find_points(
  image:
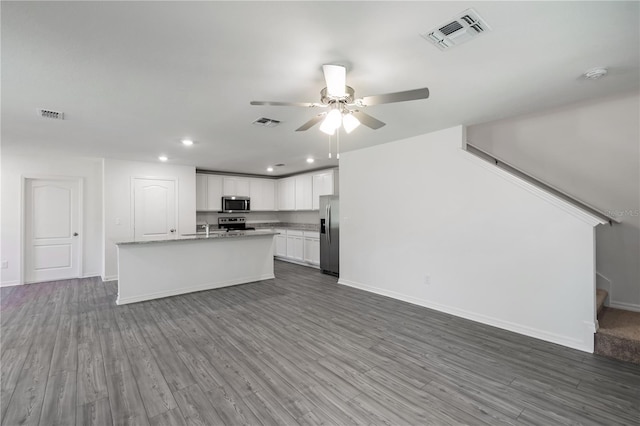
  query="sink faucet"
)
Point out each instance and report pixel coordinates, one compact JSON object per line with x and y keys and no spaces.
{"x":206,"y":228}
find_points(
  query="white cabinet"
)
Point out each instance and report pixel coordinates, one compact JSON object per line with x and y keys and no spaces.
{"x":295,"y":193}
{"x":302,"y":247}
{"x":287,"y":194}
{"x":304,"y":192}
{"x":281,"y":243}
{"x":323,"y":184}
{"x":201,"y":192}
{"x":312,"y":247}
{"x":263,"y":194}
{"x":295,"y":245}
{"x":210,"y":189}
{"x":208,"y":192}
{"x":237,"y":186}
{"x":214,"y":193}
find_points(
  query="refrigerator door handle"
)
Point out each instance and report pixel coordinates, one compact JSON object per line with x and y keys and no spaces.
{"x":329,"y":227}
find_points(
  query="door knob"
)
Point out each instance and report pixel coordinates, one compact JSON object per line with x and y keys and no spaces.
{"x":75,"y":234}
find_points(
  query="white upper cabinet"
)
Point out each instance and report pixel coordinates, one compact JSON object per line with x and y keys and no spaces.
{"x":287,"y":194}
{"x":299,"y":192}
{"x":201,"y":192}
{"x":263,"y":194}
{"x":237,"y":186}
{"x":304,"y":192}
{"x":208,"y":192}
{"x":322,"y":185}
{"x":214,"y":192}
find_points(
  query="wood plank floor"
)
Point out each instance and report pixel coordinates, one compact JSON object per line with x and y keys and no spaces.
{"x":299,"y":349}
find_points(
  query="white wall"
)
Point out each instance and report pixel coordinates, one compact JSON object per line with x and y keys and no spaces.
{"x":590,"y":150}
{"x":117,"y":202}
{"x":14,"y":169}
{"x":495,"y":249}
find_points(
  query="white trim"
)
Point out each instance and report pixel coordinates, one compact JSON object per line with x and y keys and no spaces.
{"x":585,"y":345}
{"x":10,"y":283}
{"x":297,"y":262}
{"x":109,"y":278}
{"x":208,"y":286}
{"x":91,"y":275}
{"x":624,"y":306}
{"x":540,"y":193}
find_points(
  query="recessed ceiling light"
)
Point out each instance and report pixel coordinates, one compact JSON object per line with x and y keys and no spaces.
{"x":310,"y":160}
{"x":187,"y":142}
{"x":163,"y":158}
{"x":269,"y":169}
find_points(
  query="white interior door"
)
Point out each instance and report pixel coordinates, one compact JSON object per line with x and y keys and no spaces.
{"x":155,"y":207}
{"x":52,"y":221}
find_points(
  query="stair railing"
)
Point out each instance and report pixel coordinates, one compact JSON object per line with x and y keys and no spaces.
{"x":541,"y":184}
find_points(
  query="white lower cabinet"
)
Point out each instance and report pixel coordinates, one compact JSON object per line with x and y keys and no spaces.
{"x":295,"y":245}
{"x":312,"y":247}
{"x":301,"y":247}
{"x":281,"y":243}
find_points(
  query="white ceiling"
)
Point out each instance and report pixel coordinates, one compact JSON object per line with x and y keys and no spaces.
{"x":133,"y":78}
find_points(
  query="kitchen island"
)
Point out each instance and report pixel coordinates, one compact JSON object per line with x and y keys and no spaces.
{"x":152,"y":269}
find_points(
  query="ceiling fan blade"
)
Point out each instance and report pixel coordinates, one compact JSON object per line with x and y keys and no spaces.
{"x":336,"y":79}
{"x":409,"y":95}
{"x":368,"y":120}
{"x":298,"y":104}
{"x":309,"y":124}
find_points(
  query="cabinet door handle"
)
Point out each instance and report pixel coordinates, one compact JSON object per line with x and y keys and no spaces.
{"x":75,"y":234}
{"x":172,"y":230}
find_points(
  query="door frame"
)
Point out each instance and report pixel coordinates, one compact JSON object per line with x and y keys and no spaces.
{"x":132,"y":201}
{"x":23,"y":225}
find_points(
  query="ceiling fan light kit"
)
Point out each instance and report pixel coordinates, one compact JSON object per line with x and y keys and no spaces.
{"x":340,"y":98}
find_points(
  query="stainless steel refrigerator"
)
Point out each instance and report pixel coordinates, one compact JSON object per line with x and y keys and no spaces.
{"x":330,"y":234}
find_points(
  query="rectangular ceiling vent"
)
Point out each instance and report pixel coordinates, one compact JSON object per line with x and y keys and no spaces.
{"x":266,"y":122}
{"x":54,"y":115}
{"x":462,"y":28}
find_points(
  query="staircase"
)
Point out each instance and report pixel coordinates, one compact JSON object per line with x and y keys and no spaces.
{"x":618,"y":334}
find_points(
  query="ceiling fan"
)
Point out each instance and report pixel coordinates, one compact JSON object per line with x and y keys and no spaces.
{"x":344,"y":109}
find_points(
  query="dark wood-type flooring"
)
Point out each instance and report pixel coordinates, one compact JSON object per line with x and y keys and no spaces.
{"x":299,"y":349}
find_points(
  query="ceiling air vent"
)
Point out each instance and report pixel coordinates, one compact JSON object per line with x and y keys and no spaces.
{"x":462,"y":28}
{"x":266,"y":122}
{"x":47,"y":113}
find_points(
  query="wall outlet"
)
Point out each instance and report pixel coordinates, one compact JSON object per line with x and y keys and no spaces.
{"x":5,"y":264}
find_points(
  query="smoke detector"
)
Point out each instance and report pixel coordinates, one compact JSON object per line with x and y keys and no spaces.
{"x":466,"y":26}
{"x":48,"y":113}
{"x":266,"y":122}
{"x":595,"y":73}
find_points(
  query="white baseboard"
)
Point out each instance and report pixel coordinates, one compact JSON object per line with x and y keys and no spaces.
{"x":109,"y":278}
{"x":286,"y":259}
{"x":585,"y":345}
{"x":9,"y":283}
{"x":90,"y":275}
{"x":624,"y":306}
{"x":175,"y":292}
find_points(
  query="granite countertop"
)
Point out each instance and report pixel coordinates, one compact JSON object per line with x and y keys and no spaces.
{"x":215,"y":235}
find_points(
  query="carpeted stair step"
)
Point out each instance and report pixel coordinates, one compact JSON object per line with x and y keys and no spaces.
{"x":601,"y":295}
{"x":618,"y":336}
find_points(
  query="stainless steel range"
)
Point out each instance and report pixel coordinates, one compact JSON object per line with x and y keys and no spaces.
{"x":234,"y":224}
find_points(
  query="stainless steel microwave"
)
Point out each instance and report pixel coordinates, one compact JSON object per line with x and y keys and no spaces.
{"x":234,"y":204}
